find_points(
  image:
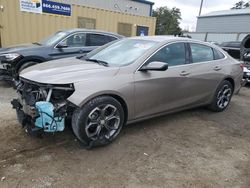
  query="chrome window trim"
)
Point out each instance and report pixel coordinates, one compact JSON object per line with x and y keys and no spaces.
{"x":83,"y":32}
{"x":157,"y":51}
{"x":212,"y":50}
{"x":225,"y":56}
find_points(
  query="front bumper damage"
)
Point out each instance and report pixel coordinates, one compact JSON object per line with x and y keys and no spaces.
{"x":42,"y":107}
{"x":5,"y":72}
{"x":8,"y":70}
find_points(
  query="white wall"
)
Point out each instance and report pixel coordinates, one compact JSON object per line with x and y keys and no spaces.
{"x":234,"y":23}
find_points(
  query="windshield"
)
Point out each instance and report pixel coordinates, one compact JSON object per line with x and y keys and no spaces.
{"x":53,"y":38}
{"x":123,"y":52}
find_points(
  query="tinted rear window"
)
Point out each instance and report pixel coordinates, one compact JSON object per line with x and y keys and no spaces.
{"x":201,"y":53}
{"x":98,"y":39}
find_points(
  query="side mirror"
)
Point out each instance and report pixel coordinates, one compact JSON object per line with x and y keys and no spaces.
{"x":155,"y":66}
{"x":60,"y":46}
{"x":247,"y":56}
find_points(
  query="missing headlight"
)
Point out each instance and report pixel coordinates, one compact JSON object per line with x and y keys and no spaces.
{"x":48,"y":101}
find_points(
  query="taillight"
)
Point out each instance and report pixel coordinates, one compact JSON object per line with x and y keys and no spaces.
{"x":242,"y":66}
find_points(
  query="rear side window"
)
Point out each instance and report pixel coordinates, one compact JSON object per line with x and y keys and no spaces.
{"x":173,"y":54}
{"x":98,"y":39}
{"x":218,"y":54}
{"x":201,"y":53}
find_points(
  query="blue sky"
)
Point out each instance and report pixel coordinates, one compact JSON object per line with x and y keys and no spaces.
{"x":190,"y":9}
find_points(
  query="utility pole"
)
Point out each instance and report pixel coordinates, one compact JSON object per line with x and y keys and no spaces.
{"x":201,"y":7}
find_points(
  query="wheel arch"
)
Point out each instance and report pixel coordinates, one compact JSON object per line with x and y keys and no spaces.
{"x":37,"y":59}
{"x":116,"y":96}
{"x":231,"y":80}
{"x":123,"y":103}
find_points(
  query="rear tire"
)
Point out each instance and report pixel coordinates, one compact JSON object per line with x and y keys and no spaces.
{"x":98,"y":122}
{"x":222,"y":97}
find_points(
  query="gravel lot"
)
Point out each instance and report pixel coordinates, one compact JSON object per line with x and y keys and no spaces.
{"x":195,"y":148}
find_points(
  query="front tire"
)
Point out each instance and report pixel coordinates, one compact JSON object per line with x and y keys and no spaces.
{"x":99,"y":121}
{"x":222,"y":97}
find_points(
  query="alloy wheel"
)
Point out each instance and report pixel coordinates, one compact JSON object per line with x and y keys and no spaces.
{"x":224,"y":96}
{"x":103,"y":122}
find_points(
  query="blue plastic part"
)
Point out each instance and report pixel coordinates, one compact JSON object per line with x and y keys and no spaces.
{"x":46,"y":119}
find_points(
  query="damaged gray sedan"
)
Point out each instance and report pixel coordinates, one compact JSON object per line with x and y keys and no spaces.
{"x":125,"y":81}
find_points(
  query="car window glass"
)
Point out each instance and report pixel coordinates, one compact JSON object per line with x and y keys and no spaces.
{"x":201,"y":53}
{"x":122,"y":52}
{"x":98,"y":39}
{"x":218,"y":54}
{"x":53,"y":38}
{"x":110,"y":38}
{"x":76,"y":40}
{"x":173,"y":54}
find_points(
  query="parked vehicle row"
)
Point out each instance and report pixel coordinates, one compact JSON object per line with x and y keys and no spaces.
{"x":62,"y":44}
{"x":240,"y":50}
{"x":125,"y":81}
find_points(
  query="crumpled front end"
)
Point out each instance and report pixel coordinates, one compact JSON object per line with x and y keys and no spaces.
{"x":5,"y":72}
{"x":43,"y":107}
{"x":8,"y":62}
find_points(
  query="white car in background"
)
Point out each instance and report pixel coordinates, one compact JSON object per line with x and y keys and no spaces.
{"x":246,"y":68}
{"x":246,"y":75}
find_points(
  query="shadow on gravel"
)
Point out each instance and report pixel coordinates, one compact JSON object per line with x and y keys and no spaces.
{"x":4,"y":84}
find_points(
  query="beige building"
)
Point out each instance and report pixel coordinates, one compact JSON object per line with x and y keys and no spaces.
{"x":25,"y":21}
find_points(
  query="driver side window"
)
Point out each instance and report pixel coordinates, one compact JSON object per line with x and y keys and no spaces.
{"x":76,"y":40}
{"x":173,"y":54}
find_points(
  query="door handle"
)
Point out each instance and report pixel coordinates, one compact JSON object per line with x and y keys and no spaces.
{"x":217,"y":68}
{"x":184,"y":73}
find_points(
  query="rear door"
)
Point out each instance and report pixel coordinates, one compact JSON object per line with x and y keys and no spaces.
{"x":205,"y":72}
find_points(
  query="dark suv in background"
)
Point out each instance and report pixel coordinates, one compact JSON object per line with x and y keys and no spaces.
{"x":232,"y":48}
{"x":62,"y":44}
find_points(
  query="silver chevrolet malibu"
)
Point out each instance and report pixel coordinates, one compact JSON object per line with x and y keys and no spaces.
{"x":125,"y":81}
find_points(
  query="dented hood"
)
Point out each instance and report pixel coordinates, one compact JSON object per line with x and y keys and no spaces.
{"x":69,"y":70}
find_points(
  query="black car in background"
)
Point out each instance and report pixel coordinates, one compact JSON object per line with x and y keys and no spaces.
{"x":62,"y":44}
{"x":232,"y":48}
{"x":240,"y":50}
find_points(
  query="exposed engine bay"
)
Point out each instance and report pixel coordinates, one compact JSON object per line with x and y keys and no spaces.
{"x":43,"y":106}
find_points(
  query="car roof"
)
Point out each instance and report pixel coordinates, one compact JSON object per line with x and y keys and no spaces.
{"x":231,"y":43}
{"x":166,"y":38}
{"x":90,"y":30}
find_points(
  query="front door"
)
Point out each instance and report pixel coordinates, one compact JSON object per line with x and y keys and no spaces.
{"x":160,"y":91}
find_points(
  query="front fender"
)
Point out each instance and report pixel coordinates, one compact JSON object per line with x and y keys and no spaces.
{"x":84,"y":92}
{"x":37,"y":59}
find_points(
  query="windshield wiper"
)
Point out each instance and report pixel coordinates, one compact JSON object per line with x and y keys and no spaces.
{"x":81,"y":57}
{"x":100,"y":62}
{"x":36,"y":43}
